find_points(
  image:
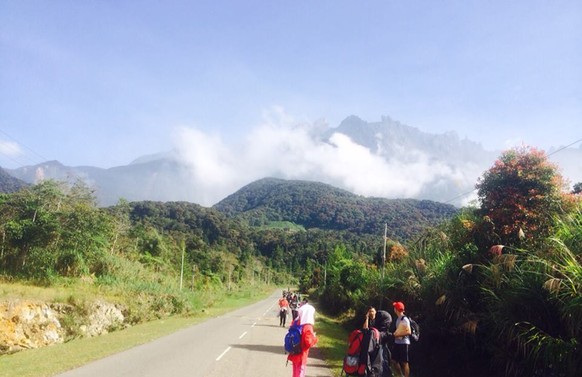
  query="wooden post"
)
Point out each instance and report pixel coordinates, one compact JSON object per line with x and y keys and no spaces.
{"x":384,"y":252}
{"x":182,"y":267}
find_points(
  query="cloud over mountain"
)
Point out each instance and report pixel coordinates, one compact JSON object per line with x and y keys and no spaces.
{"x":284,"y":148}
{"x":375,"y":159}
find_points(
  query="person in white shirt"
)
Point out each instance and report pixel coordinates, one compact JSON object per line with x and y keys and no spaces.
{"x":401,"y":341}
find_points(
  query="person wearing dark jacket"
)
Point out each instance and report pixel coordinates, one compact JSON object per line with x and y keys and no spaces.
{"x":381,"y":320}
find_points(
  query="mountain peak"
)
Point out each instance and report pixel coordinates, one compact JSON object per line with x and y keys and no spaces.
{"x":352,"y":120}
{"x":170,"y":155}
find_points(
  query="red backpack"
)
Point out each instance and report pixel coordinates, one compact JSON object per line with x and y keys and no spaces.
{"x":360,"y":342}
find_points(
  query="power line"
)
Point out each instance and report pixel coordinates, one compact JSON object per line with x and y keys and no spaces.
{"x":460,"y":196}
{"x":567,"y":146}
{"x":549,"y":154}
{"x":11,"y":158}
{"x":70,"y":173}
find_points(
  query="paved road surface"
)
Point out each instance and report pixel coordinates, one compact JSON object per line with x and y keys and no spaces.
{"x":244,"y":343}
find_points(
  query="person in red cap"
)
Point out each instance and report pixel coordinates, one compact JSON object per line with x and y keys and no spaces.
{"x":401,"y":341}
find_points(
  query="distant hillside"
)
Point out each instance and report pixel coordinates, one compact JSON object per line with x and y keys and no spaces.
{"x":318,"y":205}
{"x":385,"y":159}
{"x":10,"y":184}
{"x":159,"y":178}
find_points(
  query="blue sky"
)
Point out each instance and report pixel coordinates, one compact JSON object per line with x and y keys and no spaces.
{"x":101,"y":83}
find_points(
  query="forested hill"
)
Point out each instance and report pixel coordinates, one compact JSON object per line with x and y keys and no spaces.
{"x":318,"y":205}
{"x":10,"y":184}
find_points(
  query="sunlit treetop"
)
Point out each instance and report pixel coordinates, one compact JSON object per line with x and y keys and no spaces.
{"x":521,"y":195}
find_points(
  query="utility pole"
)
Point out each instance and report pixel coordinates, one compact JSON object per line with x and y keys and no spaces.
{"x":182,"y":268}
{"x":384,"y":252}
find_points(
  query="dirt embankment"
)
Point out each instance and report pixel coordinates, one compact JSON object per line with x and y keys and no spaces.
{"x":26,"y":324}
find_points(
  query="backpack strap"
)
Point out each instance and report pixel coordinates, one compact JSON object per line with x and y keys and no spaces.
{"x":409,"y":325}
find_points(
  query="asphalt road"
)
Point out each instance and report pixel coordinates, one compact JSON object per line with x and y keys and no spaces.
{"x":247,"y":343}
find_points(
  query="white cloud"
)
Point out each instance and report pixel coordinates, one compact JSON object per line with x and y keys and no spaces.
{"x":212,"y":166}
{"x":10,"y":149}
{"x":282,"y":147}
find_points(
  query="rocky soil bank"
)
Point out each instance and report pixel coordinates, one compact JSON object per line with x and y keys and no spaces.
{"x":26,"y":324}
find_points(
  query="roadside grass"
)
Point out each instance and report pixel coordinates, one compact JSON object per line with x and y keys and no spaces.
{"x":63,"y":292}
{"x":49,"y":361}
{"x":333,"y":341}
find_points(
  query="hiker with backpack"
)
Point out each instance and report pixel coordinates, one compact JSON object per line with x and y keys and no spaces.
{"x":283,"y":310}
{"x":293,"y":304}
{"x":305,"y":320}
{"x":401,"y":341}
{"x":381,"y":320}
{"x":364,"y":354}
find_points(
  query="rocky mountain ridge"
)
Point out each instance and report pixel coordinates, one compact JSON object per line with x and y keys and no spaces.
{"x":442,"y":166}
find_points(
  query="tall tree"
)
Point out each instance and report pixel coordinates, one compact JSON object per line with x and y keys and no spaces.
{"x":521,"y":194}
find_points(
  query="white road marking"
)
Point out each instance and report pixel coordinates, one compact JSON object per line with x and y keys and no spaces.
{"x":254,"y":324}
{"x":222,"y":354}
{"x":243,"y":334}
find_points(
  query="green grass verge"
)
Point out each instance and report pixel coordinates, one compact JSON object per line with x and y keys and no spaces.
{"x":49,"y":361}
{"x":333,"y":341}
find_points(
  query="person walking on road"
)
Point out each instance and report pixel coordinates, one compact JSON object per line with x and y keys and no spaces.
{"x":283,"y":310}
{"x":306,"y":318}
{"x":401,"y":341}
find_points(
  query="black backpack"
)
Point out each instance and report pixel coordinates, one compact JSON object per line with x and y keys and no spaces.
{"x":414,"y":329}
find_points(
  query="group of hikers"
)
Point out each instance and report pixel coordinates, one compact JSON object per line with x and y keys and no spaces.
{"x":380,"y":360}
{"x":379,"y":349}
{"x":289,"y":302}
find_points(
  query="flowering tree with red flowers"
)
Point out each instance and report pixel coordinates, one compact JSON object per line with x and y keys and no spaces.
{"x":521,"y":194}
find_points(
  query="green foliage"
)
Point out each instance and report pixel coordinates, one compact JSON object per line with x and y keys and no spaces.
{"x":533,"y":308}
{"x":284,"y":225}
{"x":52,"y":231}
{"x":50,"y":228}
{"x":521,"y":194}
{"x":519,"y":309}
{"x":317,"y":205}
{"x":347,"y":282}
{"x":514,"y":314}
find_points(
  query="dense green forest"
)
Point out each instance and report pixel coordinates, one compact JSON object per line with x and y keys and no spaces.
{"x":55,"y":231}
{"x":318,"y":205}
{"x":495,"y":288}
